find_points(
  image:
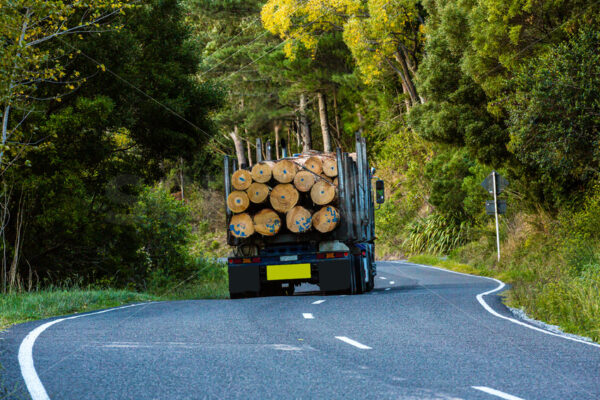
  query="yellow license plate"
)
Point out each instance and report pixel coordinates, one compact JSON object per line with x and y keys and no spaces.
{"x":288,"y":271}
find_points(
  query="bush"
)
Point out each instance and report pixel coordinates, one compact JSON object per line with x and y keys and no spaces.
{"x":436,"y":234}
{"x":163,"y":229}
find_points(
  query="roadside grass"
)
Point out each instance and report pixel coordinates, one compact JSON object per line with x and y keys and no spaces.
{"x":16,"y":308}
{"x":552,"y":281}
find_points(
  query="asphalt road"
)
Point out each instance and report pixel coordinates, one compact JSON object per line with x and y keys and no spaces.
{"x":422,"y":334}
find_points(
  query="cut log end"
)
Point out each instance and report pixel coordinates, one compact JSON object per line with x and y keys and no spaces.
{"x":330,"y":167}
{"x":258,"y":192}
{"x":241,"y":226}
{"x":238,"y":201}
{"x":267,"y":222}
{"x":262,"y":172}
{"x":241,"y":179}
{"x":314,"y":164}
{"x":304,"y":181}
{"x":283,"y":197}
{"x":323,"y":192}
{"x":326,"y":219}
{"x":298,"y":219}
{"x":284,"y":171}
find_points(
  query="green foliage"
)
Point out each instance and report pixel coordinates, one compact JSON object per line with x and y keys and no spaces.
{"x":435,"y":234}
{"x":162,"y":226}
{"x":555,"y":115}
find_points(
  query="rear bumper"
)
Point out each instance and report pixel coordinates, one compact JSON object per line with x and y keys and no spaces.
{"x":330,"y":274}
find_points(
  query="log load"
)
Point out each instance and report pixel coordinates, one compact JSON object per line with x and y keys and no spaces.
{"x":314,"y":164}
{"x":330,"y":167}
{"x":241,"y":179}
{"x":284,"y":197}
{"x":304,"y":181}
{"x":326,"y":219}
{"x":267,"y":222}
{"x":241,"y":225}
{"x":298,"y":219}
{"x":323,"y":192}
{"x":335,"y":181}
{"x":258,"y":192}
{"x":284,"y":171}
{"x":238,"y":201}
{"x":262,"y":172}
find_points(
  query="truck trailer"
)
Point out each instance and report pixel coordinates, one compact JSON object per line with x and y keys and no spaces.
{"x":340,"y":261}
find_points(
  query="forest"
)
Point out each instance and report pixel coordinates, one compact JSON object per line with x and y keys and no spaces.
{"x":116,"y":115}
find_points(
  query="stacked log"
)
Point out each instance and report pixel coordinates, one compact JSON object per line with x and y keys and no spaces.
{"x":290,"y":189}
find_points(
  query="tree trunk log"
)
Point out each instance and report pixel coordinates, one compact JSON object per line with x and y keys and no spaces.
{"x":258,"y":193}
{"x":267,"y":222}
{"x":323,"y":192}
{"x":284,"y":171}
{"x":330,"y":167}
{"x":304,"y":181}
{"x":298,"y":219}
{"x":241,"y":225}
{"x":314,"y":164}
{"x":324,"y":122}
{"x":326,"y":219}
{"x":238,"y":201}
{"x":262,"y":172}
{"x":241,"y":179}
{"x":284,"y":197}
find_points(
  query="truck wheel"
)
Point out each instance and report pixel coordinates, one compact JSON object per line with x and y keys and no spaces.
{"x":371,"y":283}
{"x":288,"y":291}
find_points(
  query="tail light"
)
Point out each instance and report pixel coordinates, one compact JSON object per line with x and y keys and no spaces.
{"x":321,"y":256}
{"x":244,"y":260}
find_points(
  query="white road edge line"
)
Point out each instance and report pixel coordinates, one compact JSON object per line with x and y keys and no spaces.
{"x":308,"y":316}
{"x":498,"y":393}
{"x":318,"y":302}
{"x":489,"y":309}
{"x":32,"y":380}
{"x":353,"y":342}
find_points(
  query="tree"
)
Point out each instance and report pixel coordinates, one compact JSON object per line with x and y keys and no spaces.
{"x":27,"y":28}
{"x":554,"y":119}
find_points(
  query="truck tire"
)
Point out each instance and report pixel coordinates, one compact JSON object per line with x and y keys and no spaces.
{"x":359,"y":275}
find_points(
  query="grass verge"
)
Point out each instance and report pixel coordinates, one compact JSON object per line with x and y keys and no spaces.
{"x":571,"y":302}
{"x":23,"y":307}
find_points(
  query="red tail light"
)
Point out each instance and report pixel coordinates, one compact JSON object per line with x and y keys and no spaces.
{"x":235,"y":261}
{"x":255,"y":259}
{"x":364,"y":253}
{"x":321,"y":256}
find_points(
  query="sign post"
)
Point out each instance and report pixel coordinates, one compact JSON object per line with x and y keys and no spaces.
{"x":494,"y":183}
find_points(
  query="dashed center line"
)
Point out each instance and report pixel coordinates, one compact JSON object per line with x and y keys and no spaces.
{"x":308,"y":316}
{"x":392,"y":282}
{"x":382,"y":277}
{"x":353,"y":342}
{"x":318,"y":302}
{"x":389,"y":288}
{"x":497,"y":393}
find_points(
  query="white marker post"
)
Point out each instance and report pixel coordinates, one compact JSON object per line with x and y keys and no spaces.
{"x":496,"y":213}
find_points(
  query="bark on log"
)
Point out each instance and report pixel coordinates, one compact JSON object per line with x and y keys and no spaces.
{"x":262,"y":172}
{"x":238,"y":201}
{"x":326,"y":219}
{"x":241,"y":179}
{"x":304,"y":181}
{"x":323,"y":192}
{"x":258,"y":192}
{"x":284,"y":197}
{"x":284,"y":171}
{"x":241,"y":225}
{"x":267,"y":222}
{"x":330,"y":167}
{"x":298,"y":219}
{"x":314,"y":164}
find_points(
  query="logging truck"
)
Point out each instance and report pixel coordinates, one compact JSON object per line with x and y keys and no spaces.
{"x":306,"y":218}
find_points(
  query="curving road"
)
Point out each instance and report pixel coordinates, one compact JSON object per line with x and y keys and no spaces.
{"x":422,"y":334}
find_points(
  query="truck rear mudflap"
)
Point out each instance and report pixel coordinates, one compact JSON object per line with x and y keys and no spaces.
{"x":248,"y":278}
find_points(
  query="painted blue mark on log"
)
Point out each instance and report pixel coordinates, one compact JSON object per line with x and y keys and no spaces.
{"x":260,"y":172}
{"x":242,"y":179}
{"x":283,"y":197}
